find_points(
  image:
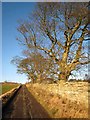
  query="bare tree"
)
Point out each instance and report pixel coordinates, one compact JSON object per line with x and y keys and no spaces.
{"x":35,"y":66}
{"x":60,"y":31}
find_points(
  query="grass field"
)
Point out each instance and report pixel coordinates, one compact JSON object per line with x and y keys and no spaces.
{"x":8,"y":86}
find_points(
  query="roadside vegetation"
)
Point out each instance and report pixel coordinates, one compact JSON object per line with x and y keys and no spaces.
{"x":64,"y":100}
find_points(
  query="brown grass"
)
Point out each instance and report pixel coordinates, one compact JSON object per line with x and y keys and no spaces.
{"x":66,"y":100}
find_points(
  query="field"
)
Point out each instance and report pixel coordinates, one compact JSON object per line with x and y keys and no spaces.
{"x":8,"y":86}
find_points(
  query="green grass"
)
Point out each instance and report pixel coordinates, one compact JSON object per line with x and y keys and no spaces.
{"x":8,"y":86}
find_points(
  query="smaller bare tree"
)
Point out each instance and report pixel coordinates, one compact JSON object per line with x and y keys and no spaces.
{"x":35,"y":66}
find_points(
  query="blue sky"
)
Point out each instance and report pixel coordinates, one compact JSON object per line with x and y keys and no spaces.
{"x":11,"y":13}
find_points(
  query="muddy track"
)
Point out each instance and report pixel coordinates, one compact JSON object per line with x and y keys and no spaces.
{"x":24,"y":105}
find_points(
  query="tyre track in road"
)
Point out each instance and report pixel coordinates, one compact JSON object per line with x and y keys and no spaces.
{"x":24,"y":105}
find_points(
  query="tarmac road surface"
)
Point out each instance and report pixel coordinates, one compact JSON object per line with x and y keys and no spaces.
{"x":24,"y":105}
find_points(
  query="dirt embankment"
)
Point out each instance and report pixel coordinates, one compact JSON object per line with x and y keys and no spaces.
{"x":64,"y":100}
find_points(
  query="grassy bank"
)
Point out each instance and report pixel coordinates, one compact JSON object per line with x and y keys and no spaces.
{"x":66,"y":100}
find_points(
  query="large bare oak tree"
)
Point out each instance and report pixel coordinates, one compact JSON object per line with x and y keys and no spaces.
{"x":59,"y":31}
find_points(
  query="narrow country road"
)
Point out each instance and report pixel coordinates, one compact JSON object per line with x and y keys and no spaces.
{"x":24,"y":105}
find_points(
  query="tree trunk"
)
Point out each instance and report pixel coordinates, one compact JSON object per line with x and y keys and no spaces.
{"x":63,"y":76}
{"x":39,"y":78}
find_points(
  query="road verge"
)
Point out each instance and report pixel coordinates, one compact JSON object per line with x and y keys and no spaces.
{"x":8,"y":96}
{"x":66,"y":100}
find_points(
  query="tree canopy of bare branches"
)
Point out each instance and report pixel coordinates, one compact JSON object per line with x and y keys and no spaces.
{"x":59,"y":31}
